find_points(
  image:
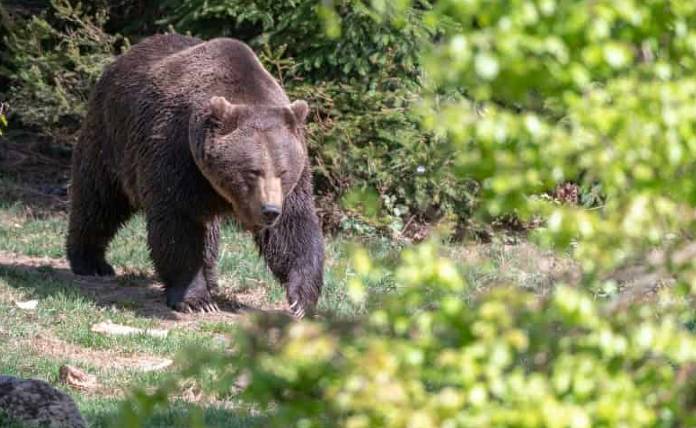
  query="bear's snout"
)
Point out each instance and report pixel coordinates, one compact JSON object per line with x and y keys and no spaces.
{"x":270,"y":213}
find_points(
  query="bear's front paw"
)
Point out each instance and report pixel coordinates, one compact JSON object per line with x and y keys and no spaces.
{"x":300,"y":310}
{"x":196,"y":305}
{"x":302,"y":304}
{"x":193,"y":301}
{"x":297,"y":310}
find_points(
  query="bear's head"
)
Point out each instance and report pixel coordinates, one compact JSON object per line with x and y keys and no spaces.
{"x":252,"y":155}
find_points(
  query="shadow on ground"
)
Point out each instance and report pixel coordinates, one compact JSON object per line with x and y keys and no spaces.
{"x":142,"y":295}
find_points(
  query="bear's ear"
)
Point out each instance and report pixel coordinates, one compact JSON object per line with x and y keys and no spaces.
{"x":226,"y":114}
{"x":300,"y":109}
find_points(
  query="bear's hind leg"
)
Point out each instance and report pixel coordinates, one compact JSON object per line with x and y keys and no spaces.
{"x":178,"y":249}
{"x":97,"y":209}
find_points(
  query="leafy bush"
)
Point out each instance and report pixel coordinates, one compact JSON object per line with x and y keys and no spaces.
{"x":53,"y":61}
{"x":563,"y":90}
{"x":364,"y":50}
{"x":428,"y":358}
{"x":368,"y":142}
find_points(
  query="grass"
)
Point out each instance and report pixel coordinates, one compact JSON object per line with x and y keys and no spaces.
{"x":36,"y":343}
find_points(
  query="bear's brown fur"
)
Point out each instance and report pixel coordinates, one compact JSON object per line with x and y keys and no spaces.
{"x":191,"y":131}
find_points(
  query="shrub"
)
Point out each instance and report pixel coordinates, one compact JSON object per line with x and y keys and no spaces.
{"x":364,"y":142}
{"x":557,"y":98}
{"x":364,"y":50}
{"x":54,"y":60}
{"x":428,"y":358}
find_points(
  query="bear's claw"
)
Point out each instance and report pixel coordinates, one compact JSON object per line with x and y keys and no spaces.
{"x":196,"y":305}
{"x":297,"y":310}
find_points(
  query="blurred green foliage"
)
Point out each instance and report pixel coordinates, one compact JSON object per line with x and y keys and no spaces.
{"x":3,"y":117}
{"x":600,"y":91}
{"x":430,"y":358}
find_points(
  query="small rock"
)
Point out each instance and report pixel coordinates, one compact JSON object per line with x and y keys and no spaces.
{"x":154,"y":364}
{"x":29,"y":305}
{"x":109,"y":328}
{"x":78,"y":379}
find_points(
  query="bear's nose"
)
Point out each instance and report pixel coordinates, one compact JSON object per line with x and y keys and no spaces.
{"x":270,"y":213}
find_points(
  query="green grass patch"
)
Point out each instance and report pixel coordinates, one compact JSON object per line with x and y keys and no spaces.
{"x":102,"y":413}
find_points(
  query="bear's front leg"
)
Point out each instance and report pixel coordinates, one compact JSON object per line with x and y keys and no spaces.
{"x":294,"y":250}
{"x":212,"y":245}
{"x":178,"y":250}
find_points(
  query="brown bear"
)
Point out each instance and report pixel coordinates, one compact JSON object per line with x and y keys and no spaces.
{"x":190,"y":132}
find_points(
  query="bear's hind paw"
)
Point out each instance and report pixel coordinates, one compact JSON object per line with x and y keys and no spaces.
{"x":196,"y":305}
{"x":92,"y":268}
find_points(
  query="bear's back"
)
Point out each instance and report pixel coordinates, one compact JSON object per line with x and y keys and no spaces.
{"x":130,"y":71}
{"x":173,"y":69}
{"x":219,"y":67}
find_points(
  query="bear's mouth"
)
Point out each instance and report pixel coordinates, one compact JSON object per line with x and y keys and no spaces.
{"x":266,"y":226}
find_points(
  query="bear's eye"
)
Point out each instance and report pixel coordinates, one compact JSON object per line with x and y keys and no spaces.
{"x":253,"y":174}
